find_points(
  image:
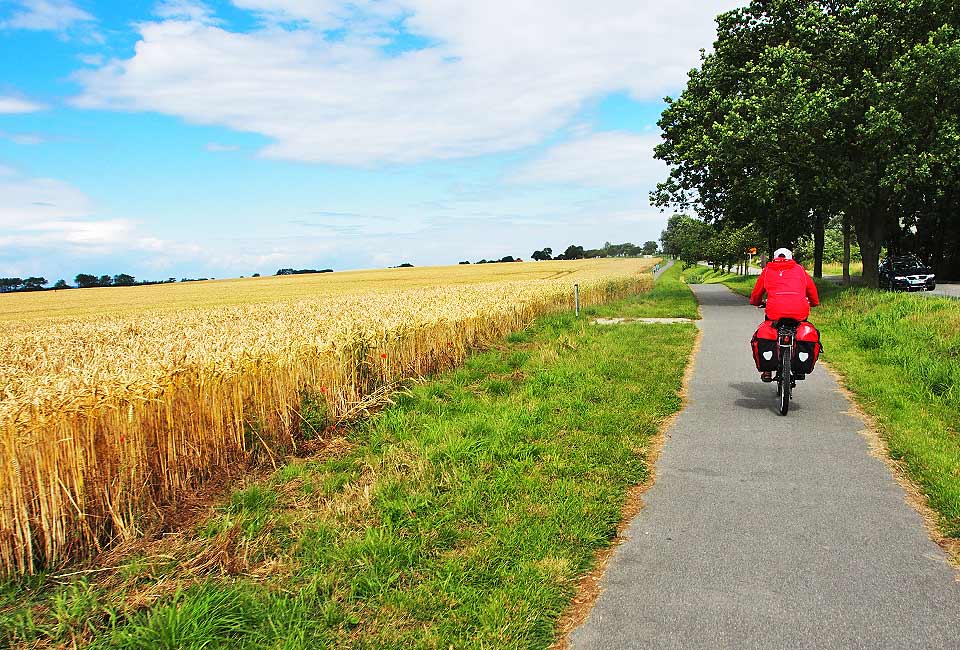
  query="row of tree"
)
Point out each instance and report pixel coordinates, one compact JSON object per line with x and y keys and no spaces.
{"x":87,"y":281}
{"x":23,"y":284}
{"x":298,"y":271}
{"x":574,"y":252}
{"x":503,"y":260}
{"x":814,"y":112}
{"x":725,"y":246}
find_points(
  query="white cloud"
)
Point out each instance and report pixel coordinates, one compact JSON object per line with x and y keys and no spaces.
{"x":184,"y":10}
{"x":27,"y":201}
{"x":216,"y":147}
{"x":48,"y":213}
{"x":12,"y":105}
{"x":611,"y":159}
{"x":362,"y":15}
{"x":502,"y":75}
{"x":22,"y":138}
{"x":91,"y":59}
{"x":45,"y":15}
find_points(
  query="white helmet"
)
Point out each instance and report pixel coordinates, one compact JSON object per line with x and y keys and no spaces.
{"x":783,"y":252}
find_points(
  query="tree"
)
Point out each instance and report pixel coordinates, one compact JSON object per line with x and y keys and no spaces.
{"x":917,"y":120}
{"x":85,"y":280}
{"x":123,"y":280}
{"x":542,"y":255}
{"x":10,"y":284}
{"x":687,"y":239}
{"x":809,"y":111}
{"x":573,"y":252}
{"x":61,"y":284}
{"x":105,"y":281}
{"x":34,"y":283}
{"x":649,"y":248}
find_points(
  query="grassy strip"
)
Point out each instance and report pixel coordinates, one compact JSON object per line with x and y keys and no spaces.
{"x":461,"y":516}
{"x":742,"y":284}
{"x":899,"y":354}
{"x":670,"y":298}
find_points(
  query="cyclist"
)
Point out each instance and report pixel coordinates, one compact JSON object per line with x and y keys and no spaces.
{"x":790,"y":291}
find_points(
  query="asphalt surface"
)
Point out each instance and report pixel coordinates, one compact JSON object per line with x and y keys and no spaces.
{"x":763,"y":531}
{"x":663,"y":269}
{"x":952,"y":290}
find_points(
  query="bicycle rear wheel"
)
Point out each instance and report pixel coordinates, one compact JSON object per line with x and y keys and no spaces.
{"x":785,"y":382}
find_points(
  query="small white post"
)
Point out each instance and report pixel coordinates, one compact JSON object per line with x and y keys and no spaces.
{"x":576,"y":299}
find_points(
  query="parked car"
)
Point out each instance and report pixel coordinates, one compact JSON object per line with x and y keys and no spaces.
{"x":906,"y":273}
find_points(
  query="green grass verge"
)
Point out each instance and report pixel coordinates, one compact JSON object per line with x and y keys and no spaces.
{"x":899,"y":354}
{"x":461,"y":516}
{"x":836,"y":268}
{"x":670,"y":298}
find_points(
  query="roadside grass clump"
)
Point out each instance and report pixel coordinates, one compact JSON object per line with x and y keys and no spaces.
{"x":899,"y":355}
{"x":670,"y":298}
{"x":461,"y":516}
{"x":695,"y":274}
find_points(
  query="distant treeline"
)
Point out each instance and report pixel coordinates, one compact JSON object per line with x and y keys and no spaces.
{"x":82,"y":281}
{"x":8,"y":285}
{"x":301,"y":271}
{"x":574,"y":252}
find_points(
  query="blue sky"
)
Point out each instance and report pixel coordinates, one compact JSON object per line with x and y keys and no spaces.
{"x":178,"y":138}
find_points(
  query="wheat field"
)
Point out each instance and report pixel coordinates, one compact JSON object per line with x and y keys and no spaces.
{"x":116,"y":401}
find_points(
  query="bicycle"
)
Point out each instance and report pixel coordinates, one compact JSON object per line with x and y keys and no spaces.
{"x":786,"y":378}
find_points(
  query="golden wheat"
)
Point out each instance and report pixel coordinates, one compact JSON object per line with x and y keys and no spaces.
{"x":116,"y":401}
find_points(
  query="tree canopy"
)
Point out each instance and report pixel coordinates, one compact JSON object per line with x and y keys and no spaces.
{"x":819,"y":109}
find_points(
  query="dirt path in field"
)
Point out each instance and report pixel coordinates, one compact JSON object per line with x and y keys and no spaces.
{"x":764,"y":531}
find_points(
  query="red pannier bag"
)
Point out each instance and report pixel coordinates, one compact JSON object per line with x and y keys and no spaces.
{"x":765,"y":349}
{"x":807,"y":348}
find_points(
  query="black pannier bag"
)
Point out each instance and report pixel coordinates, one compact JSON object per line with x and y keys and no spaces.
{"x":765,"y":347}
{"x":806,"y":348}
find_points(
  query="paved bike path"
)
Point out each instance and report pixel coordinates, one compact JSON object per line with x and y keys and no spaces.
{"x":764,"y":531}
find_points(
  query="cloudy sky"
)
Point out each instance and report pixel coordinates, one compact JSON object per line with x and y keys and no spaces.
{"x":179,"y":138}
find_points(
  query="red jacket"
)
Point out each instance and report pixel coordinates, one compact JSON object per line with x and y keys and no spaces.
{"x":790,"y":290}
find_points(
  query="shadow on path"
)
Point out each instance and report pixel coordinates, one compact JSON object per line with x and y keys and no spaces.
{"x":758,"y":396}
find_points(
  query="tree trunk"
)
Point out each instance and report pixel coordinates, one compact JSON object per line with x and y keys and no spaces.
{"x":846,"y":249}
{"x":818,"y":246}
{"x":870,"y":227}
